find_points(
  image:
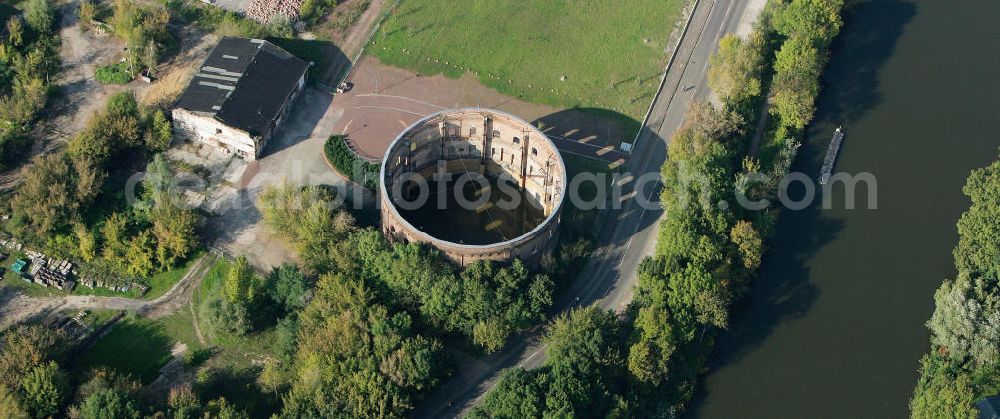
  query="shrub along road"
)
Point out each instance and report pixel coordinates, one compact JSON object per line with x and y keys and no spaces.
{"x":630,"y":234}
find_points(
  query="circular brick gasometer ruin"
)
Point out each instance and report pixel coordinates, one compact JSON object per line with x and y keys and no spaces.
{"x":475,"y":184}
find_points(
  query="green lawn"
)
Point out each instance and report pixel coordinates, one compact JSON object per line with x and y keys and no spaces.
{"x":179,"y":327}
{"x":611,"y":52}
{"x":163,"y":281}
{"x":96,"y":318}
{"x":320,"y":53}
{"x":136,"y":346}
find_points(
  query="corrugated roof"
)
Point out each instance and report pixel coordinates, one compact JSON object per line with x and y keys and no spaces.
{"x":989,"y":408}
{"x":243,"y":83}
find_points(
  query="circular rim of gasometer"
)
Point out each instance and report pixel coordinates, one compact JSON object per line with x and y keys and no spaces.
{"x":384,"y":193}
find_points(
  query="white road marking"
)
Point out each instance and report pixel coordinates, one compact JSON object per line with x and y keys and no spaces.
{"x":401,"y":97}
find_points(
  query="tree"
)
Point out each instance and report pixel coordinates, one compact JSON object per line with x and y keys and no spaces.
{"x":29,"y":96}
{"x":941,"y":393}
{"x":965,"y":325}
{"x":43,"y":388}
{"x":286,"y":336}
{"x":289,"y":288}
{"x":978,"y":252}
{"x":87,"y":13}
{"x":174,"y":230}
{"x":151,"y":58}
{"x":272,"y":378}
{"x":649,"y":358}
{"x":735,"y":69}
{"x":183,"y":402}
{"x":749,"y":243}
{"x":24,"y":349}
{"x":491,"y":334}
{"x":355,"y":357}
{"x":55,"y":188}
{"x":240,"y":285}
{"x":87,"y":242}
{"x":10,"y":406}
{"x":140,"y":256}
{"x":796,"y":81}
{"x":222,"y":409}
{"x":114,"y":234}
{"x":108,"y":403}
{"x":231,"y":319}
{"x":580,"y":377}
{"x":15,"y":31}
{"x":115,"y":128}
{"x":161,"y":132}
{"x":307,"y":219}
{"x":517,"y":395}
{"x":816,"y":19}
{"x":40,"y":15}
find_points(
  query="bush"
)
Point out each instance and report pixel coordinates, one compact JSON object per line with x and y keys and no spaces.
{"x":349,"y":164}
{"x":114,"y":74}
{"x":12,"y":149}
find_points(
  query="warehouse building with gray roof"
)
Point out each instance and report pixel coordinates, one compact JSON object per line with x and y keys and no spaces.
{"x":240,"y":96}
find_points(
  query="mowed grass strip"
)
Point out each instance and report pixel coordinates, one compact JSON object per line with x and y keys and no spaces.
{"x":136,"y":346}
{"x":611,"y":53}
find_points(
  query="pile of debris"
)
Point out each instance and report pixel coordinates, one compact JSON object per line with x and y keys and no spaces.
{"x":265,"y":10}
{"x":11,"y":244}
{"x":73,"y":326}
{"x":49,"y":272}
{"x":93,"y":283}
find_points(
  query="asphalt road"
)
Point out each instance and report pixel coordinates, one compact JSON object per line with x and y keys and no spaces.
{"x":630,"y":234}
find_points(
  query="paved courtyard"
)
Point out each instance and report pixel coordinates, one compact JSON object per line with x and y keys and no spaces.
{"x":385,"y":100}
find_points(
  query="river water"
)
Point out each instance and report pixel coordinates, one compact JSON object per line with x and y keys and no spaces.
{"x":834,"y":325}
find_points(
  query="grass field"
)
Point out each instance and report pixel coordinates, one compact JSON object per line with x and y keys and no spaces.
{"x":610,"y":52}
{"x":136,"y":346}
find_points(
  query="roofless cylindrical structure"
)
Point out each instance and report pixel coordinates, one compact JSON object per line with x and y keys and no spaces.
{"x":476,"y":184}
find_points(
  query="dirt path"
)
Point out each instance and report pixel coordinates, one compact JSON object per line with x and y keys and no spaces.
{"x":194,"y":323}
{"x":20,"y":307}
{"x":356,"y":39}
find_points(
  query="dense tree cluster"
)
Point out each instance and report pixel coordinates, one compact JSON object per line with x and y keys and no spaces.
{"x":32,"y":384}
{"x":808,"y":27}
{"x":485,"y":301}
{"x":29,"y":57}
{"x":59,"y":203}
{"x":143,"y":27}
{"x":356,"y":357}
{"x":581,"y":377}
{"x":309,"y":219}
{"x":736,"y":68}
{"x":964,"y":363}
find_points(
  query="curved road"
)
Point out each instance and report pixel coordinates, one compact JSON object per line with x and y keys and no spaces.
{"x":630,"y":235}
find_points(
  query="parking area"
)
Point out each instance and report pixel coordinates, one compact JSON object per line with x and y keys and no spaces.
{"x":384,"y":100}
